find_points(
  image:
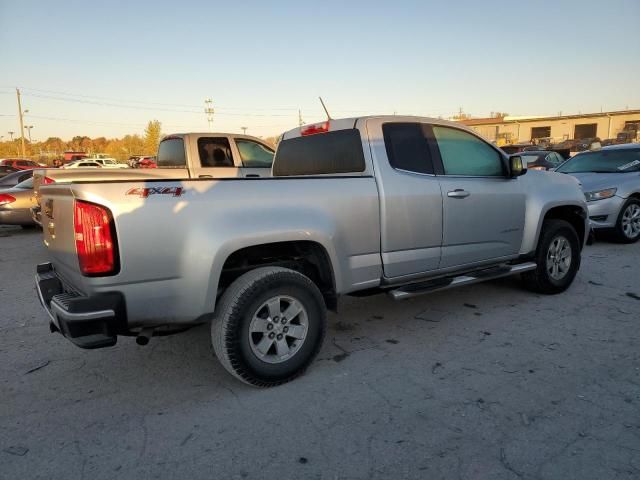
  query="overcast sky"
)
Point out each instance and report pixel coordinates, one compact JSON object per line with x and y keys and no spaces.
{"x":106,"y":68}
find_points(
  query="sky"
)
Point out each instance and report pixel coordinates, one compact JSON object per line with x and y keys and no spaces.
{"x":106,"y":68}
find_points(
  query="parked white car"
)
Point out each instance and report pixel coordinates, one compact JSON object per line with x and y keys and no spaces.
{"x":83,"y":164}
{"x":110,"y":163}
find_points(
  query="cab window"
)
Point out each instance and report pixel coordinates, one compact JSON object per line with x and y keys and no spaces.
{"x":215,"y":152}
{"x":407,"y":147}
{"x":171,"y":153}
{"x":465,"y":154}
{"x":254,"y":154}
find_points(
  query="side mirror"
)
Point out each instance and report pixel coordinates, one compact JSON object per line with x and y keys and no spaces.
{"x":516,"y":166}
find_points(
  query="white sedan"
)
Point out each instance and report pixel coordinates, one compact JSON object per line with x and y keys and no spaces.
{"x":110,"y":163}
{"x":83,"y":164}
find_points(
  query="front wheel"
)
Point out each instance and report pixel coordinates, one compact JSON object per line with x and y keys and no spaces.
{"x":627,"y":229}
{"x":269,"y":326}
{"x":557,"y":258}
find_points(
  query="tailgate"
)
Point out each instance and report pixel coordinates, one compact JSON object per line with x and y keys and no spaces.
{"x":58,"y":232}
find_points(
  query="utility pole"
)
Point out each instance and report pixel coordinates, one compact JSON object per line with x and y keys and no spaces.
{"x":300,"y":121}
{"x":208,"y":109}
{"x":20,"y":113}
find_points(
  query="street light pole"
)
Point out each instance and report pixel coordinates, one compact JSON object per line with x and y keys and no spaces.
{"x":29,"y":127}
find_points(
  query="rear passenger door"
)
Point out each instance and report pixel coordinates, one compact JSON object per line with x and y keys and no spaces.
{"x":212,"y":157}
{"x":409,"y":195}
{"x":483,"y":208}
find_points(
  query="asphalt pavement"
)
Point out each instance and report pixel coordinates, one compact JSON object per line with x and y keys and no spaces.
{"x":487,"y":381}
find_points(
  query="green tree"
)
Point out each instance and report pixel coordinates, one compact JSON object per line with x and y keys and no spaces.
{"x":152,"y":135}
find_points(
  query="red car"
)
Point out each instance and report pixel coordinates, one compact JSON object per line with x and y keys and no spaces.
{"x":19,"y":163}
{"x":147,"y":162}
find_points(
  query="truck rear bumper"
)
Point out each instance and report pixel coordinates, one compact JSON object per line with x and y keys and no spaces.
{"x":88,"y":322}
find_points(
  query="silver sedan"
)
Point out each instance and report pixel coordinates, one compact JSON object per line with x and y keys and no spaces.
{"x":610,"y":179}
{"x":16,"y":203}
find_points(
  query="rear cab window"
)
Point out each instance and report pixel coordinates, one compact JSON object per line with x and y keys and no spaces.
{"x":407,"y":147}
{"x":325,"y":153}
{"x":171,"y":153}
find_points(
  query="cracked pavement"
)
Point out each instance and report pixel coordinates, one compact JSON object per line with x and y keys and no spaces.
{"x":482,"y":382}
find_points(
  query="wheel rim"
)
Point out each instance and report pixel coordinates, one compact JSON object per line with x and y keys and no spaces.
{"x":278,"y":329}
{"x":631,"y":221}
{"x":559,"y":258}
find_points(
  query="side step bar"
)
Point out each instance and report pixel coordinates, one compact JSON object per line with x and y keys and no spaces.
{"x":415,"y":289}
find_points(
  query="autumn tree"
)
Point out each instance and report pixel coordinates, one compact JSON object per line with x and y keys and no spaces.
{"x":152,"y":135}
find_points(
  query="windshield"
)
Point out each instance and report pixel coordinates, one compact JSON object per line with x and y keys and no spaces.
{"x":26,"y":185}
{"x":604,"y":161}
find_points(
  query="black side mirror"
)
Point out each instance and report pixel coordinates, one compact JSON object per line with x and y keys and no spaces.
{"x":516,"y":166}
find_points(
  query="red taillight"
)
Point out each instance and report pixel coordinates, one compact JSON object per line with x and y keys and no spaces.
{"x":315,"y":128}
{"x":94,"y":240}
{"x":47,"y":181}
{"x":5,"y":199}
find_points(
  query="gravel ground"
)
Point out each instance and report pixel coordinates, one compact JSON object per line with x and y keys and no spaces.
{"x":483,"y":382}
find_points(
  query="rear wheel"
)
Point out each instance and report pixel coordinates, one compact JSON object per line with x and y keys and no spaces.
{"x":627,"y":229}
{"x":269,"y":326}
{"x":557,"y":258}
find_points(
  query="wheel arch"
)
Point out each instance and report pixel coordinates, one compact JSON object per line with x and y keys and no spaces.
{"x":309,"y":257}
{"x":573,"y":214}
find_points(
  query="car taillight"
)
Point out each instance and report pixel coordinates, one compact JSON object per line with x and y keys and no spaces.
{"x":5,"y":199}
{"x":315,"y":128}
{"x":47,"y":181}
{"x":95,"y":239}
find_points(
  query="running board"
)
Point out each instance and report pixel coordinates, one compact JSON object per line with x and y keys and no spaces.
{"x":415,"y":289}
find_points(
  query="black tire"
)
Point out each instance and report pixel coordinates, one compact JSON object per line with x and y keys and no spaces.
{"x":230,"y":329}
{"x":618,"y":232}
{"x":541,"y":280}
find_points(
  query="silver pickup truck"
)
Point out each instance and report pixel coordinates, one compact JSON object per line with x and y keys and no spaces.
{"x":403,"y":205}
{"x":180,"y":155}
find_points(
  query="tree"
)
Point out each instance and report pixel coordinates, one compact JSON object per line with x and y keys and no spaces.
{"x":152,"y":135}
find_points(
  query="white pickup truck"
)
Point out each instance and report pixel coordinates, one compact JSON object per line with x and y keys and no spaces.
{"x":403,"y":205}
{"x":180,"y":156}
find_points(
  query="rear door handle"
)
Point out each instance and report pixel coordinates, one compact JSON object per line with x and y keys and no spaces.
{"x":205,"y":176}
{"x":458,"y":193}
{"x":252,"y":175}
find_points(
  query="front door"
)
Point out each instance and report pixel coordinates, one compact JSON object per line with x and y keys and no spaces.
{"x":483,"y":209}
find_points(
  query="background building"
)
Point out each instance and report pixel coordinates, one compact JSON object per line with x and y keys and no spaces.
{"x":507,"y":130}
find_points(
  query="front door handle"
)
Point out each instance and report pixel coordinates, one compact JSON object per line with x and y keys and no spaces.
{"x":252,"y":175}
{"x":205,"y":176}
{"x":458,"y":193}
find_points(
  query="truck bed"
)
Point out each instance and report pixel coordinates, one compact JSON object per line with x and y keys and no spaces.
{"x":172,"y":250}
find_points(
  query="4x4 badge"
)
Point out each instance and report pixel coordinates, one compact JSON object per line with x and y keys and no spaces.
{"x":148,"y":191}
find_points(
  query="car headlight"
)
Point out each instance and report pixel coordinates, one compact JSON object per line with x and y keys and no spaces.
{"x":600,"y":194}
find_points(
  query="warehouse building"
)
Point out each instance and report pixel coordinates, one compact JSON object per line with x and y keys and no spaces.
{"x":508,"y":130}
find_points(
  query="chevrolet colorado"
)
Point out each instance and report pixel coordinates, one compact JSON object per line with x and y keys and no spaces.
{"x":183,"y":155}
{"x":403,"y":205}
